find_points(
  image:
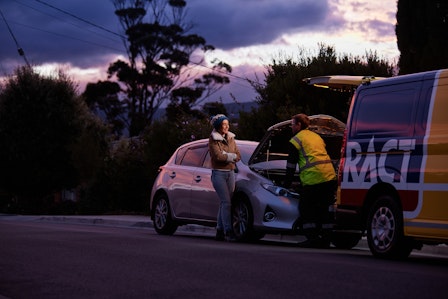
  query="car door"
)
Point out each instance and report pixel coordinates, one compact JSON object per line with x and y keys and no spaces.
{"x":204,"y":200}
{"x":182,"y":179}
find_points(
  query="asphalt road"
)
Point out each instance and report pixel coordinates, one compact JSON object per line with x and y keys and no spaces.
{"x":41,"y":259}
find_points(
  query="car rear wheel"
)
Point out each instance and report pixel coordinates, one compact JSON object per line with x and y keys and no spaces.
{"x":385,"y":234}
{"x":163,"y":222}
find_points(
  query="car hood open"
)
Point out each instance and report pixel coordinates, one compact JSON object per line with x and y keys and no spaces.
{"x":274,"y":144}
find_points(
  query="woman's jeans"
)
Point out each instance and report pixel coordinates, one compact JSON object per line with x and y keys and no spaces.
{"x":224,"y":184}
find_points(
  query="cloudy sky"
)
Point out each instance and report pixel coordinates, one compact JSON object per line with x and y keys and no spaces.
{"x":82,"y":36}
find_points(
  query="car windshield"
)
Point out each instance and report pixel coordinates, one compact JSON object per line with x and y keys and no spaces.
{"x":246,"y":151}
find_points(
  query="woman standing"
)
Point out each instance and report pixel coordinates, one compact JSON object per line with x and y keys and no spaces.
{"x":224,"y":154}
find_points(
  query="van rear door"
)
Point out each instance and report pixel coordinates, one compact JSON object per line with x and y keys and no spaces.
{"x":340,"y":82}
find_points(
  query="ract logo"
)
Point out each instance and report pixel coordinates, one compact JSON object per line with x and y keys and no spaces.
{"x":391,"y":163}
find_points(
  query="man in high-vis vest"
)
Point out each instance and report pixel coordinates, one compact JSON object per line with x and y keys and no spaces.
{"x":317,"y":180}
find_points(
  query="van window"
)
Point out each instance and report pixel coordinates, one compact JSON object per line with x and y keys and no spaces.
{"x":386,"y":114}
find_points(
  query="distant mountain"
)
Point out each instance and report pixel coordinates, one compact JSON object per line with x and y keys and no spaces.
{"x":233,"y":109}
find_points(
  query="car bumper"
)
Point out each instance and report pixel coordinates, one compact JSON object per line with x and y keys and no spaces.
{"x":277,"y":215}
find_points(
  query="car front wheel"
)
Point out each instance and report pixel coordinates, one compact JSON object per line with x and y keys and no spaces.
{"x":242,"y":220}
{"x":163,"y":223}
{"x":385,"y":234}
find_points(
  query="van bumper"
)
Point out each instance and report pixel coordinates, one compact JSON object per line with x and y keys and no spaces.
{"x":348,"y":219}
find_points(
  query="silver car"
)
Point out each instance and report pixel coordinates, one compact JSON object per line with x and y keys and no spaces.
{"x":183,"y":192}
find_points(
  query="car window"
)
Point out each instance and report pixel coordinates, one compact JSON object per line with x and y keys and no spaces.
{"x":207,"y":161}
{"x":193,"y":156}
{"x":180,"y":154}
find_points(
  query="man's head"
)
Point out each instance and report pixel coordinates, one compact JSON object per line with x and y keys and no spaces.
{"x":299,"y":122}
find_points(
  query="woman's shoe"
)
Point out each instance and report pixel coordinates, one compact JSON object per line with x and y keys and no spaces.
{"x":219,"y":235}
{"x":230,"y":236}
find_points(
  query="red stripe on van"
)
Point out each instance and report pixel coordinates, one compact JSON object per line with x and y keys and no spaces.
{"x":409,"y":199}
{"x":353,"y":197}
{"x":356,"y":197}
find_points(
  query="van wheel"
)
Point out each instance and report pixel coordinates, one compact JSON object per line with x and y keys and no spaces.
{"x":163,"y":222}
{"x":385,"y":234}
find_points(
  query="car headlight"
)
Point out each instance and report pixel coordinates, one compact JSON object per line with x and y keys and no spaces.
{"x":279,"y":191}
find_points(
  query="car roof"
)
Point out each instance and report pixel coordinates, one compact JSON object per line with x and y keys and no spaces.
{"x":340,"y":82}
{"x":205,"y":140}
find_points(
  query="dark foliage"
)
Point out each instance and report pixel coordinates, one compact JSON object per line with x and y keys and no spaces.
{"x":44,"y":131}
{"x":422,"y":35}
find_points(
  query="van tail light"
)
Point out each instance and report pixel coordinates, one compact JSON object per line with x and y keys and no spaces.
{"x":342,"y":160}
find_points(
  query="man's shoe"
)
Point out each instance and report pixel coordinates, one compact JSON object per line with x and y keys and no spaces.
{"x":314,"y":243}
{"x":310,"y":243}
{"x":219,"y":235}
{"x":325,"y":243}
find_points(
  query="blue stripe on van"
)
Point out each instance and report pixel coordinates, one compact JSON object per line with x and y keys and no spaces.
{"x":426,"y":225}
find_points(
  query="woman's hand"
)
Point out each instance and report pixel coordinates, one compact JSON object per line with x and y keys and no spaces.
{"x":231,"y":157}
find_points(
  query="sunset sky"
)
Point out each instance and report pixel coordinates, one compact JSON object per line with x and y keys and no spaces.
{"x":83,"y":35}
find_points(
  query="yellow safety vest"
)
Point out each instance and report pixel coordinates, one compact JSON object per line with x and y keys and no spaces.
{"x":315,"y":165}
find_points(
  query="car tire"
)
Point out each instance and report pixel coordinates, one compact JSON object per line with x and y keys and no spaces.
{"x":242,"y":219}
{"x":163,"y":222}
{"x":385,"y":234}
{"x":345,"y":240}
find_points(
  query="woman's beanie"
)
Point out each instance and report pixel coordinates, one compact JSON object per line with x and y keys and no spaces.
{"x":217,"y":120}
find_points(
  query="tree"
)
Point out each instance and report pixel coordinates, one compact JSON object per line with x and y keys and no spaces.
{"x":50,"y":140}
{"x":123,"y":183}
{"x":213,"y":108}
{"x":422,"y":35}
{"x":284,"y":94}
{"x":169,"y":135}
{"x":160,"y":66}
{"x":102,"y":98}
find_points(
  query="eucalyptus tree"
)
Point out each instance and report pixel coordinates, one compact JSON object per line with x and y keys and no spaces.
{"x":165,"y":63}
